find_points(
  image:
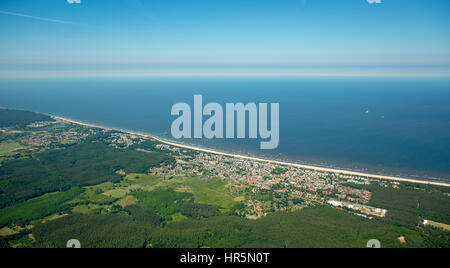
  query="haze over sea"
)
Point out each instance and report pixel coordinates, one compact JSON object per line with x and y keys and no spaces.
{"x":390,"y":126}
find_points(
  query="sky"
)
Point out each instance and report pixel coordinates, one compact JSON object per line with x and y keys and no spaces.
{"x":228,"y":32}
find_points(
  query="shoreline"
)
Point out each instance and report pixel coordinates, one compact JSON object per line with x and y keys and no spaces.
{"x":307,"y":167}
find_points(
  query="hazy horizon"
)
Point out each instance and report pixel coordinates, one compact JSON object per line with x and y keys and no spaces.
{"x":141,"y":71}
{"x":201,"y":32}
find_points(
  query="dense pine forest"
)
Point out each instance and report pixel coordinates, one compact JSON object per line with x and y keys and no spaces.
{"x":10,"y":118}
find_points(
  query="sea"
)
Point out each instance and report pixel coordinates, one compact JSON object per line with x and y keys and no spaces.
{"x":389,"y":126}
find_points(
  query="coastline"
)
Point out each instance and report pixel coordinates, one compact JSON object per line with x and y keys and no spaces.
{"x":307,"y":167}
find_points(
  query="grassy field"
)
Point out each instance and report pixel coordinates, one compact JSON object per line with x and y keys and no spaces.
{"x":9,"y":147}
{"x":7,"y":150}
{"x":142,"y":190}
{"x":127,"y":201}
{"x":94,"y":195}
{"x":117,"y":193}
{"x":178,"y":217}
{"x":209,"y":191}
{"x":54,"y":217}
{"x":5,"y":231}
{"x":85,"y":209}
{"x":444,"y":226}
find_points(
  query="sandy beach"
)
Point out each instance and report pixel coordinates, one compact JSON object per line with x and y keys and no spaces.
{"x":308,"y":167}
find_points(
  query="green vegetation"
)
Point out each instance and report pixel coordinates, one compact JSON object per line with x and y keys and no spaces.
{"x":208,"y":191}
{"x":279,"y":170}
{"x":88,"y":163}
{"x":211,"y":191}
{"x":93,"y":195}
{"x":87,"y":209}
{"x":10,"y":118}
{"x":167,"y":218}
{"x":4,"y":243}
{"x":9,"y":147}
{"x":314,"y":227}
{"x":161,"y":216}
{"x":443,"y":226}
{"x":263,"y":195}
{"x":410,"y":205}
{"x":198,"y":211}
{"x":23,"y":242}
{"x":23,"y":239}
{"x":93,"y":231}
{"x":23,"y":213}
{"x":144,"y":215}
{"x":165,"y":202}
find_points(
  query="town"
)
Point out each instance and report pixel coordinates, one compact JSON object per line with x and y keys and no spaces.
{"x":271,"y":187}
{"x":263,"y":187}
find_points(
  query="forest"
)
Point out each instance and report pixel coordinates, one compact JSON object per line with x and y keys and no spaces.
{"x":313,"y":227}
{"x":10,"y":118}
{"x":80,"y":165}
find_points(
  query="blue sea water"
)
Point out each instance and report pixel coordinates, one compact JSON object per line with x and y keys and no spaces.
{"x":387,"y":126}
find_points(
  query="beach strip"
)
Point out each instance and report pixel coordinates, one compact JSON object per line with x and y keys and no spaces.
{"x":307,"y":167}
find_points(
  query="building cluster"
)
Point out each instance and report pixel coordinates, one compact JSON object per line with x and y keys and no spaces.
{"x":50,"y":139}
{"x":42,"y":124}
{"x":270,"y":187}
{"x":361,"y":210}
{"x":122,"y":140}
{"x":352,"y":194}
{"x":385,"y":184}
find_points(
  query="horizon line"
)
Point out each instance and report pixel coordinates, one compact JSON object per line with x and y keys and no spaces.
{"x":5,"y":74}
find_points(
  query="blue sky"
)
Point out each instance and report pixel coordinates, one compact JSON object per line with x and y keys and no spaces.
{"x":236,"y":32}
